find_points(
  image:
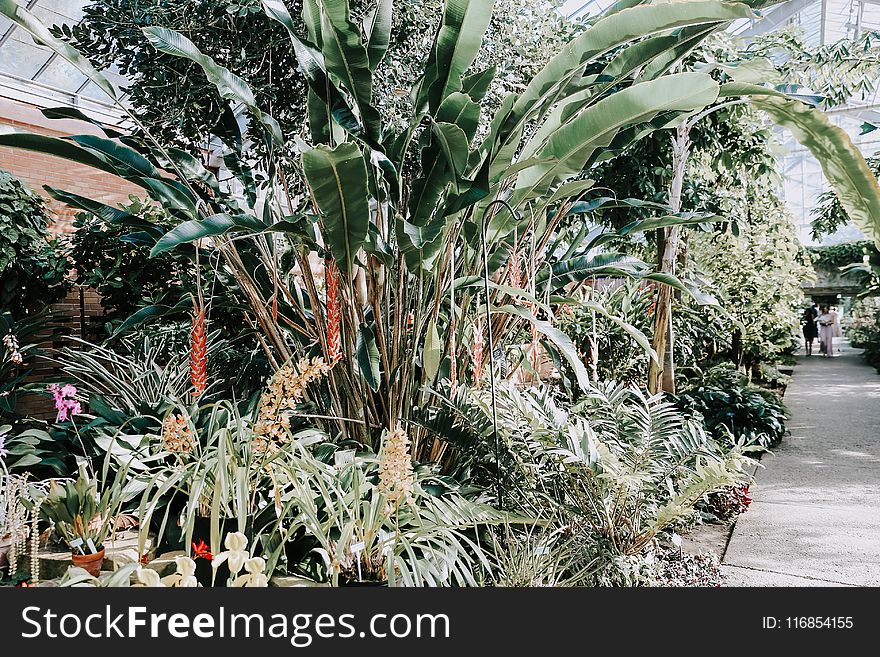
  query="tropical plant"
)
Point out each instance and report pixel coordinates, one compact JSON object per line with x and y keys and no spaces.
{"x":361,"y":535}
{"x":612,"y":349}
{"x":757,"y":276}
{"x":82,"y":515}
{"x":19,"y":351}
{"x":611,"y":473}
{"x":392,"y":241}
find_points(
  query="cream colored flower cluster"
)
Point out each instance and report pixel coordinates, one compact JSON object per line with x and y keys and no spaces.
{"x":286,"y":389}
{"x":176,"y":434}
{"x":395,"y":468}
{"x":11,"y":344}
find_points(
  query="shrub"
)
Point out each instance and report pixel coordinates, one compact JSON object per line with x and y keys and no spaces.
{"x":31,"y":269}
{"x":727,"y":503}
{"x":734,"y":410}
{"x":612,"y":473}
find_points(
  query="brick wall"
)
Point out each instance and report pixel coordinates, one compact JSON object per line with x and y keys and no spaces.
{"x":37,"y":169}
{"x":79,"y":312}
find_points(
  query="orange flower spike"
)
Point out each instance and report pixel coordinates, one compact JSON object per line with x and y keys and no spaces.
{"x":198,"y":356}
{"x":334,"y":314}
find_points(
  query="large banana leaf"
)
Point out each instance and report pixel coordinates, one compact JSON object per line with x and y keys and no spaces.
{"x":553,"y":82}
{"x":454,"y":50}
{"x":575,"y":141}
{"x":346,"y":59}
{"x":230,"y":86}
{"x":843,"y":164}
{"x":338,"y":180}
{"x":101,"y":210}
{"x":378,"y":30}
{"x":217,"y":224}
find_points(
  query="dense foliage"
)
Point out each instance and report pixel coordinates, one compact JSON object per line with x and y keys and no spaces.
{"x":402,"y":334}
{"x":734,"y":410}
{"x":864,"y":330}
{"x":31,"y":266}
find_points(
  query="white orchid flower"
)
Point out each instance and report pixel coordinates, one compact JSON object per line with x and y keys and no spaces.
{"x":255,"y":576}
{"x":185,"y":577}
{"x":148,"y":577}
{"x":236,"y":552}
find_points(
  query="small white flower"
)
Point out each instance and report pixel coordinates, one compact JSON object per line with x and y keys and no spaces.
{"x":236,"y":552}
{"x":185,"y":577}
{"x":148,"y":577}
{"x":255,"y":576}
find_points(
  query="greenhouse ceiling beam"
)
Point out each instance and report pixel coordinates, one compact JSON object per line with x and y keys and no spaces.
{"x":777,"y":17}
{"x":44,"y":96}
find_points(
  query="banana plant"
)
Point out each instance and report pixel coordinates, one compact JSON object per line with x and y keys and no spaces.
{"x":408,"y":221}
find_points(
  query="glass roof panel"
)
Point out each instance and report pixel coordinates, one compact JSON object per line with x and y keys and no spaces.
{"x":61,"y":75}
{"x":21,"y":57}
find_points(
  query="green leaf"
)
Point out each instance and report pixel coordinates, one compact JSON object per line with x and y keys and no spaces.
{"x":71,"y":113}
{"x":101,"y":210}
{"x":454,"y":144}
{"x":575,"y":141}
{"x":640,"y":338}
{"x":557,"y":337}
{"x":552,"y":83}
{"x":230,"y":86}
{"x":378,"y":30}
{"x":368,"y":357}
{"x":477,"y":84}
{"x":141,"y":316}
{"x":841,"y":161}
{"x":345,"y":57}
{"x":420,"y":245}
{"x":26,"y":461}
{"x":338,"y":180}
{"x":217,"y":224}
{"x":128,"y":162}
{"x":432,"y":351}
{"x":455,"y":48}
{"x":54,"y":146}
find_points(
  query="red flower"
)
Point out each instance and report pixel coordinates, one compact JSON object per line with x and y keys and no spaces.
{"x":198,"y":358}
{"x":746,"y":497}
{"x":202,"y":551}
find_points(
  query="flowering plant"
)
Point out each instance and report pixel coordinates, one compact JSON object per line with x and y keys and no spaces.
{"x":65,"y":402}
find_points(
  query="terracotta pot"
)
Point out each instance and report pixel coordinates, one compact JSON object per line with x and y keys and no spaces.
{"x":91,"y":563}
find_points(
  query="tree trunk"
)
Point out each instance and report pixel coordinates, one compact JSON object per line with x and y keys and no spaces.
{"x":661,"y":376}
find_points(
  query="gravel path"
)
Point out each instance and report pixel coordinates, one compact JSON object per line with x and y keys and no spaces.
{"x":815,"y":518}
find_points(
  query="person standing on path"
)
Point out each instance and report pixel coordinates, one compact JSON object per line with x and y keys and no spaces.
{"x":811,"y":331}
{"x":827,"y":320}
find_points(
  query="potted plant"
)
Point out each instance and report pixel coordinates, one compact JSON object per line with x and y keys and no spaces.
{"x":82,"y":517}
